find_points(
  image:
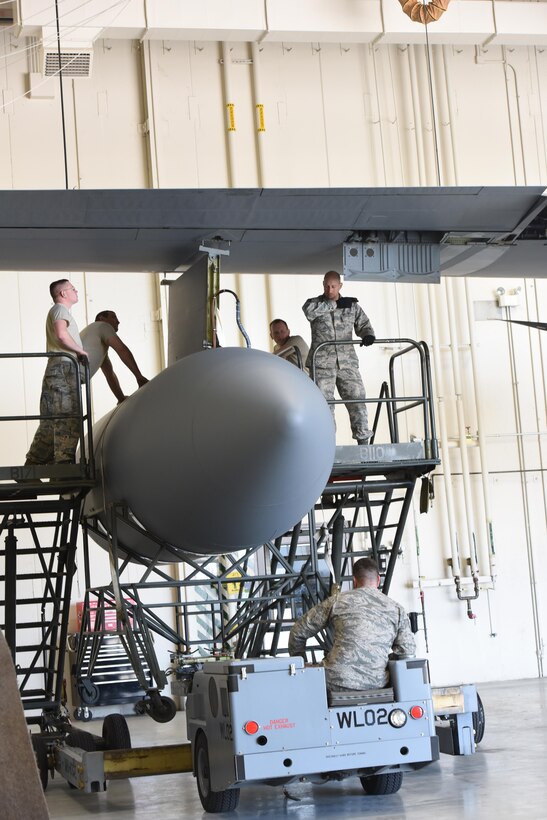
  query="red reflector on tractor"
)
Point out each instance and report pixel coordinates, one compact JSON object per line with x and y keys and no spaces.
{"x":416,"y":712}
{"x":251,"y":727}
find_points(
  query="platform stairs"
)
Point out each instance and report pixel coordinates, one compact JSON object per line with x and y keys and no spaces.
{"x":40,"y":509}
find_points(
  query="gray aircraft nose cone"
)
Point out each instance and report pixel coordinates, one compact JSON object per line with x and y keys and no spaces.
{"x":224,"y":450}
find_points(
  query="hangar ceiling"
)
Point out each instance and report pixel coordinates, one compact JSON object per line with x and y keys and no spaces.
{"x":499,"y":231}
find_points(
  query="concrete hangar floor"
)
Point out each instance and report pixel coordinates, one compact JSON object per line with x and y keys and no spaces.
{"x":505,"y":779}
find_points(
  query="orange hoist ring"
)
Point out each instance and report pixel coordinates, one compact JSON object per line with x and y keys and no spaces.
{"x":424,"y":12}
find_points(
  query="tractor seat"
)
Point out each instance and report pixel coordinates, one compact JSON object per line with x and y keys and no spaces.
{"x":358,"y":697}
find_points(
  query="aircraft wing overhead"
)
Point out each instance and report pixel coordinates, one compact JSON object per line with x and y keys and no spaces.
{"x":484,"y":230}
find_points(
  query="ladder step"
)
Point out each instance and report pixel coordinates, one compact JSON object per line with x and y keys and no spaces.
{"x":29,"y":625}
{"x":34,"y":693}
{"x":34,"y":576}
{"x":39,"y":700}
{"x":38,"y":600}
{"x":38,"y":647}
{"x":30,"y":551}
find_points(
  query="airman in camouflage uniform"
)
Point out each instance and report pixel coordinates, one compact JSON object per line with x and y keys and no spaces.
{"x":334,"y":318}
{"x":55,"y":440}
{"x":368,"y":626}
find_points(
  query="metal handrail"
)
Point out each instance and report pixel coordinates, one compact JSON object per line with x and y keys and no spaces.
{"x":389,"y":398}
{"x":85,"y":434}
{"x":412,"y":345}
{"x":292,"y":349}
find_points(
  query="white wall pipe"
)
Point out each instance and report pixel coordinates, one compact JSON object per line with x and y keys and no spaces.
{"x":418,"y":134}
{"x":532,"y":285}
{"x":484,"y":581}
{"x":525,"y":501}
{"x":76,"y":144}
{"x":159,"y":308}
{"x":447,"y":160}
{"x":524,"y":434}
{"x":441,"y":121}
{"x":229,"y":114}
{"x":372,"y":116}
{"x":427,"y":108}
{"x":530,"y":112}
{"x":538,"y":374}
{"x":394,"y":118}
{"x":266,"y":31}
{"x":260,"y":116}
{"x":485,"y":476}
{"x":448,"y":71}
{"x":388,"y":112}
{"x":260,"y":125}
{"x":456,"y":373}
{"x":541,"y":127}
{"x":445,"y":455}
{"x":520,"y":138}
{"x":410,"y":148}
{"x":150,"y":124}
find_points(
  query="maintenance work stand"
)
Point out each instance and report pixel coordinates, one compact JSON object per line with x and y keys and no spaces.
{"x":241,"y":605}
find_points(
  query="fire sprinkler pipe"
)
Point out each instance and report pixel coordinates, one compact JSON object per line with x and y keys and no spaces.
{"x":454,"y":346}
{"x":485,"y":475}
{"x":441,"y":407}
{"x":229,"y":114}
{"x":260,"y":116}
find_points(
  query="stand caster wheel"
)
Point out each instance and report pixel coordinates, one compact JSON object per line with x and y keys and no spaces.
{"x":160,"y":708}
{"x":82,"y":713}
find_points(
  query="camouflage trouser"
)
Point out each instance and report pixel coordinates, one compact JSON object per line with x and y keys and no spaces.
{"x":349,"y":383}
{"x":55,"y":440}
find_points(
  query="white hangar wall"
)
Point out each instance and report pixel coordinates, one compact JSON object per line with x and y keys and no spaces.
{"x":346,"y":116}
{"x":505,"y":637}
{"x":156,"y":114}
{"x":355,"y":115}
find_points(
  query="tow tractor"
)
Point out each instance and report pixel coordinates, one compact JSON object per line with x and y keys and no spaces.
{"x":270,"y":721}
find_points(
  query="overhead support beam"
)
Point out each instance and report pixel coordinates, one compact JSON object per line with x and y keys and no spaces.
{"x":274,"y":230}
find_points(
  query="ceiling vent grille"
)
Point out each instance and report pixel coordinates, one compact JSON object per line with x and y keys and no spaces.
{"x":74,"y":63}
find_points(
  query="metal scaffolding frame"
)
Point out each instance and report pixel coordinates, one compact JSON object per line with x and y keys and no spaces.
{"x":244,"y":604}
